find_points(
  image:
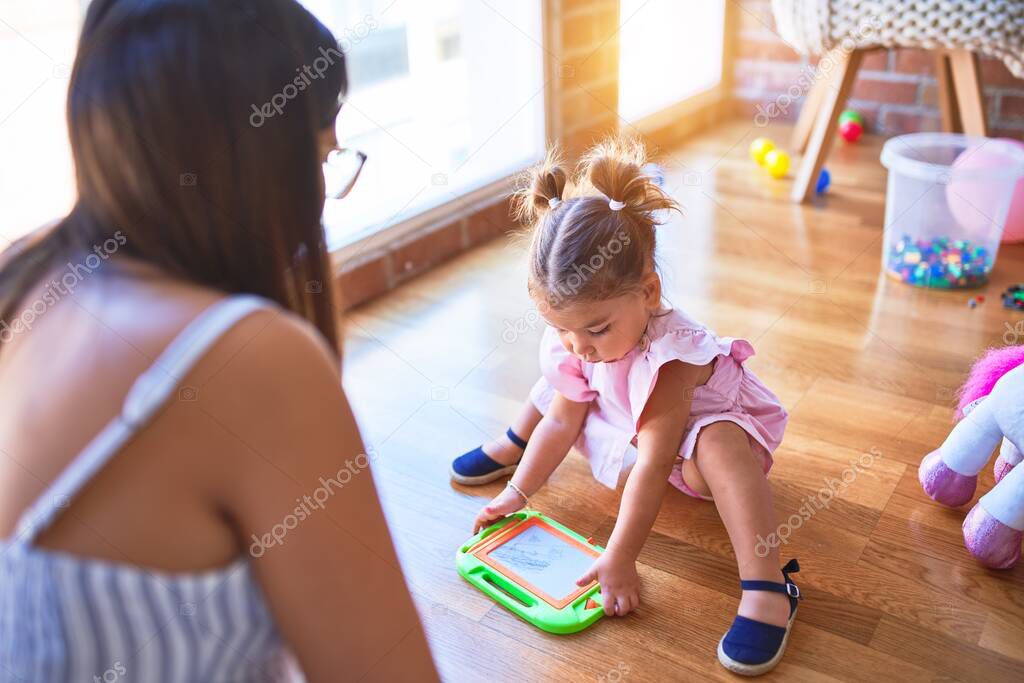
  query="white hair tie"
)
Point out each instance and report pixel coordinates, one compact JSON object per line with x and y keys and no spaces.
{"x":553,"y":202}
{"x":615,"y":204}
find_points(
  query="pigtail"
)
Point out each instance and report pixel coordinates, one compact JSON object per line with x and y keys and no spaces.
{"x":614,"y":168}
{"x":542,"y":190}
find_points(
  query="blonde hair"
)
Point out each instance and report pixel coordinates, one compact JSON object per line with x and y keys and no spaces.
{"x":592,"y":234}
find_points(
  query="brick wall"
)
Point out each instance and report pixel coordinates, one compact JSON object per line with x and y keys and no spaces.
{"x":585,"y":49}
{"x":895,"y":90}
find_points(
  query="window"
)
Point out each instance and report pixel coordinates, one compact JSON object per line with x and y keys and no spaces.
{"x":445,"y":97}
{"x":668,"y":51}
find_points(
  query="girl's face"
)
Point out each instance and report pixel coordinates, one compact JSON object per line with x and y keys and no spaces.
{"x":605,"y":331}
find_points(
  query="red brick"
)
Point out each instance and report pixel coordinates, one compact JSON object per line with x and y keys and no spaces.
{"x":576,"y":142}
{"x":930,"y":95}
{"x":765,"y":106}
{"x":875,"y":60}
{"x":915,"y":61}
{"x":767,"y":77}
{"x":363,"y":282}
{"x":898,"y":122}
{"x":1012,"y":107}
{"x":1012,"y":133}
{"x":593,"y":68}
{"x":892,"y":92}
{"x":578,"y":33}
{"x":994,"y":72}
{"x":489,"y":222}
{"x":755,"y":16}
{"x":421,"y":252}
{"x":767,"y":51}
{"x":582,"y":105}
{"x":606,"y":24}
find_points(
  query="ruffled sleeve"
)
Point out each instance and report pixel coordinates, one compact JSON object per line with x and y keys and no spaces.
{"x":563,"y":370}
{"x":693,"y":345}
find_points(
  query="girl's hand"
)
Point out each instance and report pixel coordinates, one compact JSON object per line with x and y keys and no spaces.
{"x":620,"y":584}
{"x":503,"y":504}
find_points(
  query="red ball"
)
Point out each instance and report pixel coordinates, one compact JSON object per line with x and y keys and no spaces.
{"x":850,"y":130}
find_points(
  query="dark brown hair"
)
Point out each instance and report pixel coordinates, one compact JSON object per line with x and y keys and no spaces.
{"x":169,"y":158}
{"x":582,"y":248}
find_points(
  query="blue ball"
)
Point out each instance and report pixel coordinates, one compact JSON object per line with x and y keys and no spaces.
{"x":823,"y":181}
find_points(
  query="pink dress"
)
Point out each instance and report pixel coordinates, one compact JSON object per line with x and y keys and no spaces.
{"x":618,"y":391}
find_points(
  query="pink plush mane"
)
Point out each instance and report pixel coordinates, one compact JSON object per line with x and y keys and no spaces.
{"x":986,"y":372}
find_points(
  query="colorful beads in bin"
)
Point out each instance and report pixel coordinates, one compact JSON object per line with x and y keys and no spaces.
{"x":940,"y":262}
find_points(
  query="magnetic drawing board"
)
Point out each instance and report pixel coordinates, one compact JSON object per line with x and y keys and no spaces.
{"x":529,"y":564}
{"x":544,"y":559}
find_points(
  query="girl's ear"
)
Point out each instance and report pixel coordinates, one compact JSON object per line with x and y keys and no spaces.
{"x":652,"y":291}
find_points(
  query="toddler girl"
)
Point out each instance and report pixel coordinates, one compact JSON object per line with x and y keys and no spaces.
{"x":646,"y":393}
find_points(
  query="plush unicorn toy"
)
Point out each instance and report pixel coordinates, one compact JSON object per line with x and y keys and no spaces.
{"x":991,"y":410}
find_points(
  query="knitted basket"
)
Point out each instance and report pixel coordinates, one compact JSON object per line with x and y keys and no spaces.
{"x":990,"y":27}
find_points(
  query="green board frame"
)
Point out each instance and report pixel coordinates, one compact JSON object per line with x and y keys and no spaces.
{"x":569,"y":615}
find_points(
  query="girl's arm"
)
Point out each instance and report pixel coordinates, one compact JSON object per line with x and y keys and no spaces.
{"x":660,"y":432}
{"x":547,"y":448}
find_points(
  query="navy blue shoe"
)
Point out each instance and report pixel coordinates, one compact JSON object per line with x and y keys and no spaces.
{"x":475,"y":467}
{"x":752,"y":648}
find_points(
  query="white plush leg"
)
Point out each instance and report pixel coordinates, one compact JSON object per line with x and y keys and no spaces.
{"x":1009,"y":457}
{"x":1005,"y":501}
{"x":1006,"y":403}
{"x":969,"y":446}
{"x":1010,"y":454}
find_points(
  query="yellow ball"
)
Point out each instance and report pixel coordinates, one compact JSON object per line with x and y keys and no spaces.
{"x":759,"y":148}
{"x":777,"y":163}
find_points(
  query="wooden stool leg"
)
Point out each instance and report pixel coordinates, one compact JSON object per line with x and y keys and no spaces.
{"x":832,"y":102}
{"x":964,"y":66}
{"x":947,"y":94}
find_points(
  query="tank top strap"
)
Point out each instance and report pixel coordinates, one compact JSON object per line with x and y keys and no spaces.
{"x":146,"y":396}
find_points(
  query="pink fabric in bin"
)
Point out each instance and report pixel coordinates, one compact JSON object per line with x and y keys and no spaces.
{"x":618,"y":392}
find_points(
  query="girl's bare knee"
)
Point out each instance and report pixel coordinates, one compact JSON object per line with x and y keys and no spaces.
{"x":722,"y":444}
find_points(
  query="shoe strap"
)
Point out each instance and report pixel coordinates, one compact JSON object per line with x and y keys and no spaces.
{"x":514,"y":438}
{"x":788,"y":588}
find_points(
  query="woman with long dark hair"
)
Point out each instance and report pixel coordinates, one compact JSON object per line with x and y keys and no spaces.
{"x":184,"y":495}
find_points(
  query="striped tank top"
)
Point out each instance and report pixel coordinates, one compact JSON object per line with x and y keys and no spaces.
{"x":70,"y":618}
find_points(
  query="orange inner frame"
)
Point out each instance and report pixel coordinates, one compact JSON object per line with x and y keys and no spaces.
{"x":483,"y":550}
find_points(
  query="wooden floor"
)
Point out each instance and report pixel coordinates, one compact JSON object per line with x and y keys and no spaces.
{"x":866,"y":366}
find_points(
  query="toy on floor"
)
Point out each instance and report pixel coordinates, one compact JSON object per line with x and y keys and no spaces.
{"x":824,"y":180}
{"x":991,"y":412}
{"x":851,"y":115}
{"x":529,"y":564}
{"x":759,"y":148}
{"x":851,"y":125}
{"x":970,"y":199}
{"x":1013,"y":297}
{"x":774,"y":160}
{"x":777,"y":163}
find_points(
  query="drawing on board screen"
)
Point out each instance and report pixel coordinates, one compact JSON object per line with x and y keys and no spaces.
{"x":545,"y":560}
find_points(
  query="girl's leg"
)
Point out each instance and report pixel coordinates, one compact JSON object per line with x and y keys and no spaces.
{"x":724,"y":464}
{"x":502,"y":449}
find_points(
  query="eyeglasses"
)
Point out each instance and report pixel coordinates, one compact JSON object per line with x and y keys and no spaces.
{"x":341,"y":170}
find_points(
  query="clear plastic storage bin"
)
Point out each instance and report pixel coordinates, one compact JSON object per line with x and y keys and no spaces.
{"x":946,"y":203}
